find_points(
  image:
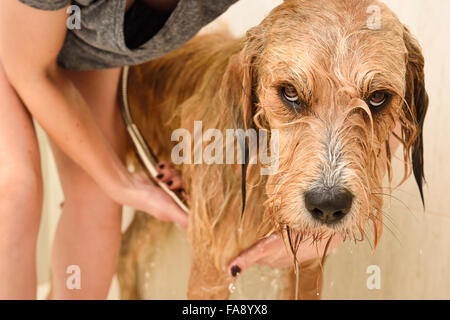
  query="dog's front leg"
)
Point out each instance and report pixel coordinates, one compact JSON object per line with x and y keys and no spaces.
{"x":207,"y":282}
{"x":214,"y":241}
{"x":308,"y":284}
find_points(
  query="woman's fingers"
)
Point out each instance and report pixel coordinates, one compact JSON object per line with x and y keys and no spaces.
{"x":272,"y":251}
{"x":271,"y":247}
{"x":165,"y":171}
{"x":176,"y":183}
{"x":169,"y":175}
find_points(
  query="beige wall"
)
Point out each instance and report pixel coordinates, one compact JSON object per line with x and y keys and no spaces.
{"x":413,"y":255}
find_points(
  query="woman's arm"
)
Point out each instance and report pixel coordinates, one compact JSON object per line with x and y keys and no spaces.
{"x":30,"y":41}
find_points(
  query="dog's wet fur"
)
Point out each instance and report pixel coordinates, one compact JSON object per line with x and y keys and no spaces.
{"x":334,"y":146}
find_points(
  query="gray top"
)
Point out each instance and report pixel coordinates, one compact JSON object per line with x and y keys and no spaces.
{"x":100,"y":42}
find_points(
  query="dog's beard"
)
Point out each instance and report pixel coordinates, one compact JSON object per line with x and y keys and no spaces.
{"x":318,"y":155}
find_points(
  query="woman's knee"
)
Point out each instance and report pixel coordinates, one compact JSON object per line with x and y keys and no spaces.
{"x":21,"y":185}
{"x":21,"y":196}
{"x":20,"y":169}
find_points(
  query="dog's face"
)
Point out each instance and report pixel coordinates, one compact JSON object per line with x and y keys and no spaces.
{"x":335,"y":87}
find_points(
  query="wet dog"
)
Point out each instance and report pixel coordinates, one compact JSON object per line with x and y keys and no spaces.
{"x":333,"y":78}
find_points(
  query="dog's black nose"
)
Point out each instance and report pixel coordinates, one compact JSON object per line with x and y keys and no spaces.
{"x":328,"y":206}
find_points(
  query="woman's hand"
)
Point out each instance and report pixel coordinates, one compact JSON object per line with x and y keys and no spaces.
{"x":170,"y":176}
{"x":139,"y":192}
{"x":272,"y":252}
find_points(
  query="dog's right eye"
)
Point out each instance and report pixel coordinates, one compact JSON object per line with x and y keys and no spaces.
{"x":378,"y":100}
{"x":290,"y":95}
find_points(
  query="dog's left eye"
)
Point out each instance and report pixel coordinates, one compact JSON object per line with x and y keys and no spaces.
{"x":378,"y":100}
{"x":290,"y":95}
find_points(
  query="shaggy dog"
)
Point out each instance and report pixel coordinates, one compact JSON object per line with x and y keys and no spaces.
{"x":333,"y":81}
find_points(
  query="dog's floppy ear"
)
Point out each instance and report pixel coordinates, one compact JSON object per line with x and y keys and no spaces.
{"x":248,"y":97}
{"x":240,"y":81}
{"x":416,"y":105}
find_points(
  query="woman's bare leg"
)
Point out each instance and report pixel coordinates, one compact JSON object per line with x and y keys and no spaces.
{"x":88,"y":233}
{"x":20,"y":196}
